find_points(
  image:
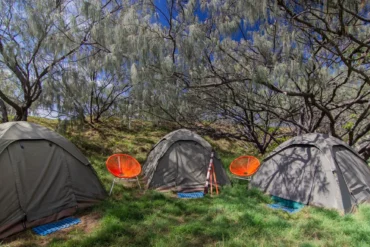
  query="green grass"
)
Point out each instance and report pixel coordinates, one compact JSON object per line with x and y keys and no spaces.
{"x":237,"y":217}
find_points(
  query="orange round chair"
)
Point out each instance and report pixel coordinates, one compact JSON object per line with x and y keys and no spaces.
{"x":244,"y":166}
{"x":123,"y":166}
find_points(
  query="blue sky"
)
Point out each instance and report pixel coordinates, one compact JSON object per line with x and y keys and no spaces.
{"x":163,"y":15}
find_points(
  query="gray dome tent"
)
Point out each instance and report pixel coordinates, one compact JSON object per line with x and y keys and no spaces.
{"x":179,"y":162}
{"x":315,"y":169}
{"x":43,"y":177}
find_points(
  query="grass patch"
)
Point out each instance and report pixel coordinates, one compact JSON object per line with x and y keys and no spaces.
{"x":237,"y":217}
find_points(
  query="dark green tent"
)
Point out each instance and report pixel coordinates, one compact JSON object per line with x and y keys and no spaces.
{"x":315,"y":169}
{"x":43,"y":177}
{"x":179,"y":162}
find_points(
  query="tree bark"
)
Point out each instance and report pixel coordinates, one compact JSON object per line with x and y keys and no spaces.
{"x":4,"y":112}
{"x":25,"y":115}
{"x":91,"y":105}
{"x":22,"y":115}
{"x":129,"y":121}
{"x":97,"y":118}
{"x":301,"y":122}
{"x":365,"y":152}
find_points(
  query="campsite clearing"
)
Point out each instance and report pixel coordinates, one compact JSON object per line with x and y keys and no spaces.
{"x":237,"y":217}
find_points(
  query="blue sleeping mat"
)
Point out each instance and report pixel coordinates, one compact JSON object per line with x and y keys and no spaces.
{"x":286,"y":209}
{"x":286,"y":205}
{"x":55,"y":226}
{"x":190,"y":195}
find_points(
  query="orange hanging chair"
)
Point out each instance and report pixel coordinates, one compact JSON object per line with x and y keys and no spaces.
{"x":123,"y":166}
{"x":244,"y":167}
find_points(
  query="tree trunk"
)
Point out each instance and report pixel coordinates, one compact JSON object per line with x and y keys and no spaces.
{"x":21,"y":115}
{"x":4,"y":112}
{"x":91,"y":105}
{"x":129,"y":122}
{"x":301,"y":122}
{"x":365,"y":152}
{"x":25,"y":115}
{"x":97,"y":118}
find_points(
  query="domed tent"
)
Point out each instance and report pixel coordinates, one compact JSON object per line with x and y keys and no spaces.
{"x":315,"y":169}
{"x":179,"y":162}
{"x":43,"y":177}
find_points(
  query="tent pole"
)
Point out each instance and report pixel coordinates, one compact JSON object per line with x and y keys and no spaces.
{"x":208,"y":174}
{"x":214,"y":177}
{"x":211,"y":182}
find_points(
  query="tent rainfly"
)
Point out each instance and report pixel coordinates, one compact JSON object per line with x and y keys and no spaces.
{"x":179,"y":162}
{"x":43,"y":177}
{"x":315,"y":169}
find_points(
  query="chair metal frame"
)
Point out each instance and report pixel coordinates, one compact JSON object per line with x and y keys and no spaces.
{"x":125,"y":179}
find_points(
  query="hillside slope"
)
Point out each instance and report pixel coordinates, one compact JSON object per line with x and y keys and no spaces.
{"x":237,"y":217}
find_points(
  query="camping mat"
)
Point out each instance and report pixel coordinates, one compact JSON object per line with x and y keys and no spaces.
{"x":55,"y":226}
{"x":286,"y":205}
{"x":286,"y":209}
{"x":190,"y":195}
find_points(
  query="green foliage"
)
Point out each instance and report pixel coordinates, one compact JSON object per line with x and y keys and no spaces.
{"x":348,"y":125}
